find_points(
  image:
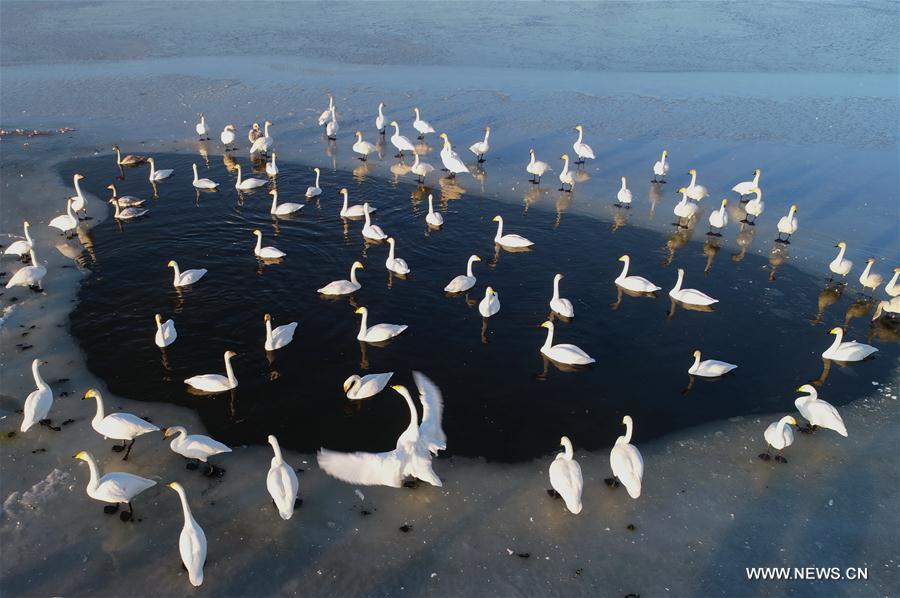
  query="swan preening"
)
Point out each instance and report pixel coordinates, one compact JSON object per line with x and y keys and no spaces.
{"x":480,"y":148}
{"x":509,"y":241}
{"x":118,"y":426}
{"x":839,"y":265}
{"x":367,"y":386}
{"x":188,"y":277}
{"x":281,"y":482}
{"x":709,"y":368}
{"x":661,"y":168}
{"x":582,"y":150}
{"x":28,"y":276}
{"x":363,"y":148}
{"x":565,"y":477}
{"x":819,"y":413}
{"x":343,"y":287}
{"x":433,"y":218}
{"x":788,"y":225}
{"x":779,"y":435}
{"x":213,"y":383}
{"x":395,"y":264}
{"x":38,"y":402}
{"x":463,"y":282}
{"x":165,"y":332}
{"x":413,"y":453}
{"x":563,"y":353}
{"x":379,"y":332}
{"x":536,"y":168}
{"x":158,"y":175}
{"x":846,"y":351}
{"x":21,"y":248}
{"x":194,"y":446}
{"x":227,"y":137}
{"x":635,"y":284}
{"x":626,"y":461}
{"x":451,"y":160}
{"x":115,"y":487}
{"x":283,"y":209}
{"x":280,"y":337}
{"x":689,"y":296}
{"x":266,"y":253}
{"x":490,"y":305}
{"x":192,"y":541}
{"x":560,"y":305}
{"x":246,"y":184}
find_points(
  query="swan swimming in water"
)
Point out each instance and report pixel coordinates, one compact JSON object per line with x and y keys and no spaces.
{"x":247,"y":184}
{"x":28,"y":276}
{"x":480,"y":148}
{"x":165,"y":332}
{"x":779,"y":435}
{"x":213,"y":383}
{"x":378,"y":332}
{"x":395,"y":264}
{"x":892,"y":288}
{"x":819,"y":413}
{"x":281,"y":482}
{"x":463,"y":282}
{"x":490,"y":305}
{"x":849,"y":351}
{"x":343,"y":287}
{"x":354,"y":211}
{"x":689,"y":296}
{"x":566,"y":478}
{"x":284,"y":209}
{"x":559,"y":304}
{"x":582,"y":150}
{"x":126,"y":213}
{"x":661,"y":168}
{"x":413,"y":453}
{"x":188,"y":277}
{"x":709,"y":368}
{"x":266,"y":253}
{"x":279,"y":337}
{"x":192,"y":541}
{"x":626,"y":461}
{"x":314,"y":190}
{"x":227,"y":137}
{"x":118,"y":426}
{"x":38,"y":402}
{"x":126,"y":201}
{"x":509,"y":241}
{"x":272,"y":167}
{"x":367,"y":386}
{"x":433,"y":218}
{"x":371,"y":231}
{"x":423,"y":127}
{"x":129,"y":160}
{"x":536,"y":168}
{"x":636,"y":284}
{"x":115,"y":487}
{"x":158,"y":175}
{"x":563,"y":353}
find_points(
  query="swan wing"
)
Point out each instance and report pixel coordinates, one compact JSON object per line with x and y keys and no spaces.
{"x":282,"y":484}
{"x":284,"y":334}
{"x":192,"y":547}
{"x":125,"y":425}
{"x":460,"y":283}
{"x":566,"y":479}
{"x":627,"y":465}
{"x":37,"y":406}
{"x":431,"y":432}
{"x":823,"y":414}
{"x":122,"y":485}
{"x":367,"y":469}
{"x":372,"y":384}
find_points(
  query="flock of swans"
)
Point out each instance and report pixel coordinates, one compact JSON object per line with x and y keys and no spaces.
{"x":421,"y":441}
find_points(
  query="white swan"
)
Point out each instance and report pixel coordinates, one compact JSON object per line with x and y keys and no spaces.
{"x":395,"y":264}
{"x":314,"y":190}
{"x":165,"y":332}
{"x":695,"y":191}
{"x":371,"y":231}
{"x":451,"y":160}
{"x":623,"y":197}
{"x":661,"y":168}
{"x":331,"y":128}
{"x":511,"y":241}
{"x":227,"y":137}
{"x":343,"y":287}
{"x":363,"y":148}
{"x":281,"y":482}
{"x":869,"y":279}
{"x":115,"y":487}
{"x":839,"y":265}
{"x":718,"y":219}
{"x":420,"y":169}
{"x":283,"y":209}
{"x":193,"y":446}
{"x":788,"y":225}
{"x":326,"y":115}
{"x":263,"y":144}
{"x":366,"y":386}
{"x":118,"y":426}
{"x":188,"y":277}
{"x":158,"y":175}
{"x":566,"y":478}
{"x":354,"y":211}
{"x":626,"y":461}
{"x":202,"y":129}
{"x":266,"y":253}
{"x":892,"y":307}
{"x":280,"y":336}
{"x":378,"y":332}
{"x":819,"y":413}
{"x":689,"y":296}
{"x":566,"y":177}
{"x":849,"y":351}
{"x":480,"y":148}
{"x":779,"y":435}
{"x":709,"y":368}
{"x":126,"y":201}
{"x":192,"y":541}
{"x":636,"y":284}
{"x":129,"y":160}
{"x":380,"y":120}
{"x":79,"y":202}
{"x":272,"y":167}
{"x":582,"y":150}
{"x":536,"y":168}
{"x":403,"y":144}
{"x":755,"y":206}
{"x":246,"y":184}
{"x":423,"y":127}
{"x":490,"y":305}
{"x":685,"y":209}
{"x":747,"y":187}
{"x":28,"y":276}
{"x":213,"y":383}
{"x":463,"y":282}
{"x":38,"y":402}
{"x":433,"y":218}
{"x":559,"y":304}
{"x":254,"y":133}
{"x":892,"y":288}
{"x":412,"y":455}
{"x":563,"y":353}
{"x":22,"y":247}
{"x":65,"y":222}
{"x":121,"y":213}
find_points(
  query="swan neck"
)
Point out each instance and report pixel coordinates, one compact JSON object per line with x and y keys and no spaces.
{"x":469,"y":267}
{"x":499,"y":230}
{"x":78,"y":188}
{"x":30,"y":242}
{"x":565,"y":167}
{"x":580,"y":135}
{"x":38,"y":380}
{"x":274,"y":201}
{"x":391,"y":250}
{"x":195,"y":173}
{"x":413,"y":414}
{"x":549,"y":342}
{"x":624,"y":269}
{"x":865,"y":273}
{"x":185,"y":507}
{"x":362,"y":323}
{"x":95,"y":473}
{"x":269,"y":331}
{"x":266,"y":130}
{"x":229,"y":371}
{"x":556,"y":287}
{"x":258,"y":242}
{"x":629,"y":428}
{"x":567,"y":444}
{"x":69,"y":210}
{"x":693,"y":179}
{"x":840,"y":256}
{"x":276,"y":448}
{"x":838,"y":337}
{"x":317,"y":178}
{"x":431,"y":205}
{"x":101,"y":412}
{"x":353,"y":275}
{"x":177,"y":272}
{"x":679,"y":281}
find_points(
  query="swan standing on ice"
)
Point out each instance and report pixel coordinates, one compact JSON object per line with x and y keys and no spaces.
{"x":158,"y":175}
{"x":272,"y":167}
{"x":327,"y":114}
{"x":582,"y":150}
{"x":194,"y":446}
{"x":849,"y":351}
{"x":202,"y":129}
{"x":747,"y":187}
{"x":192,"y":541}
{"x":281,"y":482}
{"x":28,"y":276}
{"x":246,"y":184}
{"x":413,"y":453}
{"x":118,"y":426}
{"x":490,"y":305}
{"x":623,"y":197}
{"x":463,"y":282}
{"x":403,"y":144}
{"x":213,"y":383}
{"x":38,"y":402}
{"x":433,"y":218}
{"x":420,"y":169}
{"x":266,"y":253}
{"x":685,"y":210}
{"x":693,"y":190}
{"x":559,"y":304}
{"x":819,"y":413}
{"x":509,"y":241}
{"x":343,"y":287}
{"x":626,"y":461}
{"x":868,"y":279}
{"x":779,"y":435}
{"x":371,"y":231}
{"x":354,"y":211}
{"x":536,"y":168}
{"x":278,"y":337}
{"x":126,"y":201}
{"x":563,"y":353}
{"x":636,"y":284}
{"x":754,"y":207}
{"x":566,"y":177}
{"x":788,"y":225}
{"x":689,"y":296}
{"x":395,"y":264}
{"x":423,"y":127}
{"x":115,"y":487}
{"x":203,"y":183}
{"x":363,"y":148}
{"x":129,"y":160}
{"x":126,"y":213}
{"x":314,"y":190}
{"x":79,"y":202}
{"x":480,"y":148}
{"x":709,"y":368}
{"x":451,"y":160}
{"x":839,"y":265}
{"x":369,"y":385}
{"x":718,"y":220}
{"x":565,"y":477}
{"x":67,"y":222}
{"x":380,"y":120}
{"x":331,"y":128}
{"x":165,"y":332}
{"x":227,"y":137}
{"x":188,"y":277}
{"x":283,"y":209}
{"x":263,"y":144}
{"x":22,"y":247}
{"x":378,"y":332}
{"x":661,"y":168}
{"x":892,"y":288}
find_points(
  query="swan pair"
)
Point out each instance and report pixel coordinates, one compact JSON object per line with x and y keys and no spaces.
{"x":29,"y":276}
{"x":563,"y":353}
{"x":379,"y":332}
{"x":214,"y":383}
{"x":118,"y":426}
{"x":343,"y":287}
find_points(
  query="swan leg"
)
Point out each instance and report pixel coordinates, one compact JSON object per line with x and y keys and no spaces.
{"x":780,"y":457}
{"x":118,"y":448}
{"x":766,"y":456}
{"x":128,"y":452}
{"x":48,"y":424}
{"x":192,"y":465}
{"x":111,"y":509}
{"x":127,"y":515}
{"x":553,"y":493}
{"x":611,"y":482}
{"x":411,"y":483}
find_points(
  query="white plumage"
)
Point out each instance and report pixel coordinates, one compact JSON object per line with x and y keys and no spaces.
{"x":626,"y":461}
{"x":281,"y":482}
{"x":566,"y":478}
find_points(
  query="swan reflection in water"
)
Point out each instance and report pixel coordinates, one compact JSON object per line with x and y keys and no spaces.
{"x":744,"y":240}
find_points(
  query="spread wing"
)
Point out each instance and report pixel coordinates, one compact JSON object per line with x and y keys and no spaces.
{"x":430,"y":431}
{"x":367,"y":469}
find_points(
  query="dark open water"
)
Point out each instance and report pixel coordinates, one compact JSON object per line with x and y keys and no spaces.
{"x":503,"y":401}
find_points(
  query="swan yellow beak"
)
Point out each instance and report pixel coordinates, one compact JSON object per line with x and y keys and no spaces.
{"x":800,"y":389}
{"x":272,"y":192}
{"x":545,"y":325}
{"x":81,"y":455}
{"x":477,"y":259}
{"x":393,"y":123}
{"x":834,"y":330}
{"x":171,"y":485}
{"x":692,"y":171}
{"x":358,"y":310}
{"x":90,"y":394}
{"x":171,"y":264}
{"x":495,"y":218}
{"x":793,"y":421}
{"x":623,"y":258}
{"x":256,"y":232}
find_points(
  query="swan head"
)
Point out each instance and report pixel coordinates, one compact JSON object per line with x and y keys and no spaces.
{"x":267,"y":318}
{"x":272,"y":440}
{"x":316,"y":170}
{"x":229,"y":127}
{"x":531,"y":151}
{"x":349,"y":382}
{"x":682,"y":190}
{"x":497,"y":219}
{"x":557,"y":278}
{"x":381,"y":105}
{"x":171,"y":264}
{"x":871,"y":260}
{"x":273,"y":192}
{"x":358,"y":134}
{"x":547,"y":324}
{"x":835,"y":330}
{"x":26,"y":224}
{"x":755,"y":190}
{"x":257,"y":232}
{"x":579,"y":128}
{"x":78,"y":177}
{"x":358,"y":265}
{"x":624,"y":179}
{"x":724,"y":202}
{"x":696,"y":354}
{"x":256,"y":126}
{"x":789,"y":420}
{"x":201,"y":115}
{"x":361,"y":310}
{"x":268,"y":122}
{"x":393,"y":123}
{"x":390,"y":240}
{"x":175,"y":486}
{"x":487,"y":129}
{"x":680,"y":271}
{"x":807,"y":388}
{"x":756,"y":172}
{"x":627,"y":420}
{"x":116,"y":147}
{"x":402,"y":391}
{"x":489,"y":292}
{"x":692,"y":171}
{"x":564,"y":157}
{"x":624,"y":258}
{"x":443,"y":136}
{"x":793,"y":208}
{"x":343,"y":191}
{"x":230,"y":354}
{"x":157,"y":318}
{"x":841,"y":244}
{"x":82,"y":455}
{"x":274,"y":155}
{"x":90,"y":394}
{"x":665,"y":153}
{"x":111,"y":188}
